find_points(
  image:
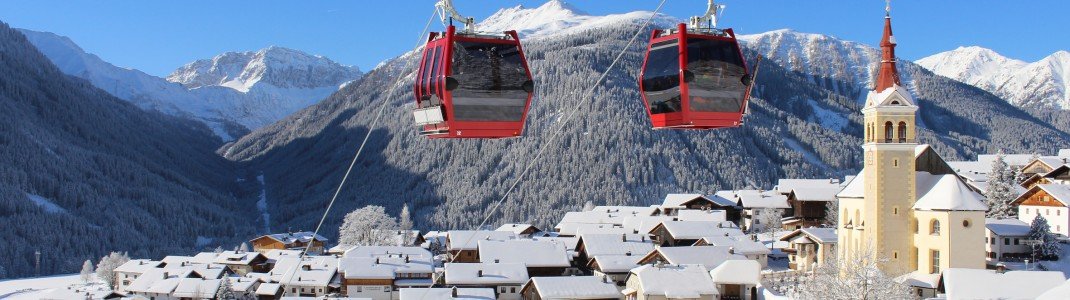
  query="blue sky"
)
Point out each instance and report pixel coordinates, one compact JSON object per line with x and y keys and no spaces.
{"x":159,"y":36}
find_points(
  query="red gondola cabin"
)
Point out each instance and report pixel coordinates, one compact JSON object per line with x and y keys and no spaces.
{"x":472,"y":86}
{"x":695,"y":79}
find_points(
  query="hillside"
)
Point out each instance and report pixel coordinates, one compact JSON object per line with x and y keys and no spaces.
{"x":83,"y":173}
{"x":804,"y":123}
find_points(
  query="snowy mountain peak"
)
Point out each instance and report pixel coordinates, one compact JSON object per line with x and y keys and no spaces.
{"x":554,"y":17}
{"x":277,"y":66}
{"x":1039,"y":84}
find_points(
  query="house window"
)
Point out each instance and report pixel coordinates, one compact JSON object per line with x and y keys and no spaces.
{"x":935,"y":262}
{"x":966,"y":223}
{"x":386,"y":288}
{"x":502,"y":290}
{"x":1006,"y":241}
{"x":935,"y":228}
{"x":1027,"y":210}
{"x":1016,"y":241}
{"x":915,"y":226}
{"x":895,"y":163}
{"x":512,"y":290}
{"x":895,"y":210}
{"x":895,"y":255}
{"x":993,"y":241}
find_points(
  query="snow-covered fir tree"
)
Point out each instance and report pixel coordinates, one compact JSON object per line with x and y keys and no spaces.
{"x":588,"y":206}
{"x":855,"y":277}
{"x":832,"y":213}
{"x":106,"y":267}
{"x":225,"y":291}
{"x":769,"y":222}
{"x":1047,"y":247}
{"x":87,"y":271}
{"x":368,"y":226}
{"x":404,"y":218}
{"x":1001,"y":193}
{"x":244,"y":247}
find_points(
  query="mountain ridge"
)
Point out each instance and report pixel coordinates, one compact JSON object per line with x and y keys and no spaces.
{"x":1041,"y":84}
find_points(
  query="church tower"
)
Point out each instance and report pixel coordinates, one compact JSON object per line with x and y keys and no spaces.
{"x":882,"y":221}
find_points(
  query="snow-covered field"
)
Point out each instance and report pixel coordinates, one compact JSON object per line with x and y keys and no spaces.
{"x":37,"y":288}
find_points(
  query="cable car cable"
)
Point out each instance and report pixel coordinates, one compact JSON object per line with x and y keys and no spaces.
{"x":378,"y":115}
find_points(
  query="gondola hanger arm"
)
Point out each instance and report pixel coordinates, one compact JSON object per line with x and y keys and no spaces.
{"x":708,"y":20}
{"x":447,"y":12}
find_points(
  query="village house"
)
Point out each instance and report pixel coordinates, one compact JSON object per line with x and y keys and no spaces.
{"x":643,"y":225}
{"x":268,"y":291}
{"x":708,"y":257}
{"x":737,"y":279}
{"x":129,"y":271}
{"x":674,"y":203}
{"x":662,"y":282}
{"x":591,"y":245}
{"x":758,"y":205}
{"x":570,"y":287}
{"x":570,"y":243}
{"x":177,"y":281}
{"x":686,"y":233}
{"x":614,"y":267}
{"x":242,"y":262}
{"x":809,"y":199}
{"x":1060,"y":175}
{"x":244,"y":287}
{"x":289,"y":241}
{"x":505,"y":278}
{"x":810,"y":247}
{"x":379,"y":278}
{"x":741,"y":245}
{"x":1043,"y":165}
{"x":546,"y":258}
{"x":463,"y":245}
{"x":446,"y":294}
{"x":313,"y":276}
{"x":1051,"y":201}
{"x":704,"y":216}
{"x":1006,"y":239}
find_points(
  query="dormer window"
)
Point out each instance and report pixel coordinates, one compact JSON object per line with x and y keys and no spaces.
{"x":895,"y":102}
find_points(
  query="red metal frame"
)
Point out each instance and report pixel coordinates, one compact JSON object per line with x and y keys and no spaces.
{"x":451,"y":128}
{"x":685,"y":118}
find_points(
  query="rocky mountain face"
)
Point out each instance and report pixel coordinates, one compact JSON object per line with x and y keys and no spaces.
{"x":83,"y":173}
{"x":804,"y":123}
{"x":233,"y":93}
{"x":1043,"y":84}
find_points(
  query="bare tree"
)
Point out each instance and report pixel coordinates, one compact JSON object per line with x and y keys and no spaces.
{"x":770,"y":223}
{"x":857,"y":276}
{"x":368,"y":226}
{"x":106,"y":267}
{"x":87,"y":271}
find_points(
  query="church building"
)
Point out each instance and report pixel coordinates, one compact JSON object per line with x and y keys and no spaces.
{"x":907,"y":207}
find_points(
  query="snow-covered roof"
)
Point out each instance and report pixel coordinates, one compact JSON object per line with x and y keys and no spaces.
{"x":645,"y":224}
{"x":243,"y":284}
{"x":675,"y":282}
{"x":196,"y":288}
{"x":138,"y":266}
{"x":616,"y":244}
{"x":702,"y":215}
{"x":626,"y":210}
{"x":746,"y":272}
{"x":469,"y":240}
{"x":987,"y":284}
{"x":820,"y":234}
{"x":237,"y":257}
{"x":761,"y":199}
{"x":570,"y":242}
{"x":492,"y":274}
{"x":617,"y":263}
{"x":528,"y":252}
{"x":1051,"y":161}
{"x":275,"y":254}
{"x":291,"y":270}
{"x":1007,"y":227}
{"x":921,"y":279}
{"x":1061,"y":292}
{"x":446,"y":294}
{"x":389,"y":251}
{"x":693,"y":230}
{"x":707,"y":256}
{"x":946,"y":192}
{"x":574,"y":287}
{"x":785,"y":186}
{"x":856,"y":187}
{"x":739,"y":244}
{"x":517,"y":228}
{"x":292,"y":237}
{"x":582,"y":229}
{"x":678,"y":200}
{"x":268,"y":289}
{"x":817,"y":193}
{"x":385,"y":267}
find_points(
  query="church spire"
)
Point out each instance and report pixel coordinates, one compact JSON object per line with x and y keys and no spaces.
{"x":887,"y":75}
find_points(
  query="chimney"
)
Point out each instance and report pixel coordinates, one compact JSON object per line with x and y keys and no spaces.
{"x":479,"y":273}
{"x":731,"y":250}
{"x":377,"y":260}
{"x":309,"y":268}
{"x":165,"y":275}
{"x":496,"y":260}
{"x":629,"y":253}
{"x":623,"y":237}
{"x":406,"y":259}
{"x":454,"y":292}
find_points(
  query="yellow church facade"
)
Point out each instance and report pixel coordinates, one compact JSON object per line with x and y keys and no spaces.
{"x":907,"y":207}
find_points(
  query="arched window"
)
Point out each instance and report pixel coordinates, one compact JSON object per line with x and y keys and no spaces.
{"x":869,"y":132}
{"x":902,"y":132}
{"x":888,"y":132}
{"x":934,"y":229}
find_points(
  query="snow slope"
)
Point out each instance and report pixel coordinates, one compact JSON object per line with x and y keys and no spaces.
{"x":556,"y":17}
{"x":1040,"y":84}
{"x":251,"y":89}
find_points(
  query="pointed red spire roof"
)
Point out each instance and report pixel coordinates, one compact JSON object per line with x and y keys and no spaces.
{"x":887,"y":74}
